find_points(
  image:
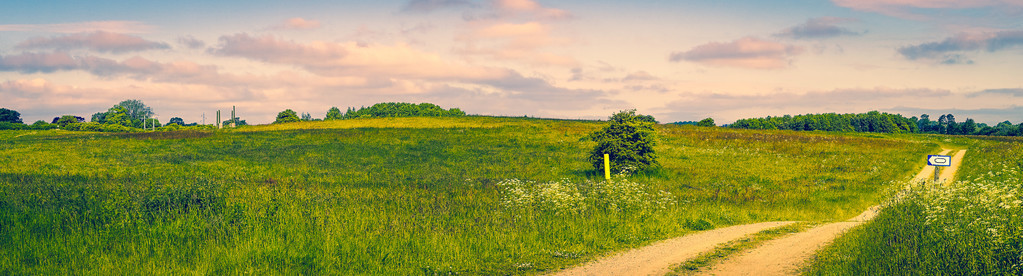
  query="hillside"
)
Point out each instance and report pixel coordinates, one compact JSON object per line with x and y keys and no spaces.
{"x":476,"y":195}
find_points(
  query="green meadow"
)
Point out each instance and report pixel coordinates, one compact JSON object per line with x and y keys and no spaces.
{"x":467,"y":195}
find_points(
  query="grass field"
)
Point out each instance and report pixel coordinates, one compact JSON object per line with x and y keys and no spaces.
{"x":473,"y":195}
{"x":972,"y":226}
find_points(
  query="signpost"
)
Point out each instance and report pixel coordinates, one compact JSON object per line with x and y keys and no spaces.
{"x":607,"y":167}
{"x":938,"y":161}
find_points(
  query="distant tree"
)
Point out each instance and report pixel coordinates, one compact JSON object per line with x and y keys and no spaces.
{"x":682,"y":123}
{"x":401,"y":110}
{"x":986,"y":130}
{"x":238,"y":122}
{"x":646,"y":118}
{"x":118,"y":115}
{"x":67,"y":119}
{"x":307,"y":116}
{"x":99,"y":117}
{"x":333,"y":114}
{"x":176,"y":120}
{"x":151,"y":123}
{"x":136,"y":110}
{"x":10,"y":116}
{"x":286,"y":116}
{"x":627,"y":140}
{"x":43,"y":125}
{"x":968,"y":127}
{"x":709,"y":122}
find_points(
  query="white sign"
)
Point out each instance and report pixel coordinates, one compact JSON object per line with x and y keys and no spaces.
{"x":939,"y":160}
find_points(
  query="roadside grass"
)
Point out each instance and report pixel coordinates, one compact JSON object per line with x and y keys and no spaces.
{"x":969,"y":227}
{"x":721,"y":252}
{"x":405,"y":195}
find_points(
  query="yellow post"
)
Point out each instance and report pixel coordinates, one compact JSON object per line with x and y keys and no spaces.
{"x":607,"y":167}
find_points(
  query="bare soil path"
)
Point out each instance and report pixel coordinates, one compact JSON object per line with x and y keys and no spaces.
{"x":785,"y":255}
{"x":656,"y":259}
{"x":782,"y":256}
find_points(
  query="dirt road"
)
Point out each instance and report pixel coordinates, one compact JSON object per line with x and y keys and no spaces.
{"x":658,"y":257}
{"x":784,"y":256}
{"x":781,"y":256}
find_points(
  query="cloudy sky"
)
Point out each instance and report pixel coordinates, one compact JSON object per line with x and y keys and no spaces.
{"x":676,"y":60}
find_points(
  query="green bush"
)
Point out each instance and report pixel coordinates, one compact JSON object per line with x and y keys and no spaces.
{"x":287,"y":116}
{"x":42,"y":125}
{"x":709,"y":122}
{"x":13,"y":126}
{"x":628,"y":141}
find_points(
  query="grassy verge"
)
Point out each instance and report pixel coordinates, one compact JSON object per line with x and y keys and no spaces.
{"x":970,"y":227}
{"x":709,"y":259}
{"x":404,"y":195}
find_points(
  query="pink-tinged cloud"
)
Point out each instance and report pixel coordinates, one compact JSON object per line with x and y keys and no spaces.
{"x":351,"y":58}
{"x":904,"y":8}
{"x":276,"y":50}
{"x":299,"y":23}
{"x":529,"y":7}
{"x":126,"y":27}
{"x":639,"y":76}
{"x":517,"y":42}
{"x":191,"y":42}
{"x":38,"y":62}
{"x":99,"y":41}
{"x":747,"y":52}
{"x":949,"y":51}
{"x":135,"y":67}
{"x":820,"y":27}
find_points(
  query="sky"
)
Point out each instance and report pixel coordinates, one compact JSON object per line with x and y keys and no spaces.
{"x":675,"y":60}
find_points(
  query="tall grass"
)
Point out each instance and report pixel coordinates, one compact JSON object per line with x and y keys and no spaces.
{"x":403,"y":195}
{"x":972,"y":226}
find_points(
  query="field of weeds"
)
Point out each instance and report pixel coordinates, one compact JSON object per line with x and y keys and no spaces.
{"x":474,"y":195}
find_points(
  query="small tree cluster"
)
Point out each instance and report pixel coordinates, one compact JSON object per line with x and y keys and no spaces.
{"x":287,"y":116}
{"x":628,"y":140}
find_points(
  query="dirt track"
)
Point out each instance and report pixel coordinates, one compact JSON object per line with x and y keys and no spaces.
{"x":785,"y":255}
{"x":782,"y":256}
{"x":658,"y":257}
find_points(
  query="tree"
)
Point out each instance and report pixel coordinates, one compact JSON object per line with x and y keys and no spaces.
{"x":136,"y":110}
{"x":238,"y":122}
{"x":176,"y":120}
{"x":628,"y":141}
{"x":10,"y":116}
{"x":709,"y":122}
{"x":307,"y":116}
{"x":287,"y":116}
{"x":968,"y":127}
{"x":99,"y":117}
{"x":646,"y":118}
{"x":118,"y":115}
{"x":333,"y":114}
{"x":66,"y":119}
{"x":43,"y":125}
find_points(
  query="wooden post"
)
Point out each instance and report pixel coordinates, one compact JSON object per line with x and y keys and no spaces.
{"x":607,"y":167}
{"x":937,"y":171}
{"x":218,"y":120}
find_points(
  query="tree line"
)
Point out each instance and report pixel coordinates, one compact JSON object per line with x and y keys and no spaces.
{"x":875,"y":121}
{"x":125,"y":116}
{"x":376,"y":111}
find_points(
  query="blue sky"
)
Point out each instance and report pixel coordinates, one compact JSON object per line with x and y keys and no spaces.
{"x":676,"y":60}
